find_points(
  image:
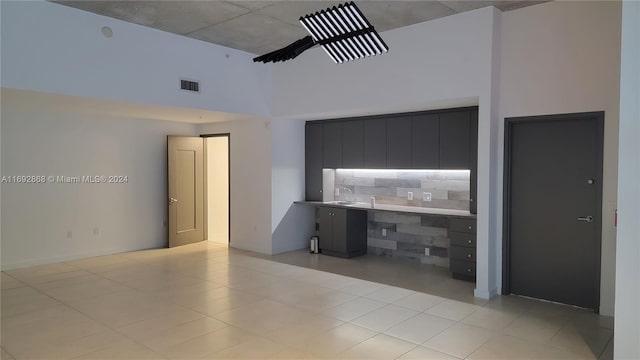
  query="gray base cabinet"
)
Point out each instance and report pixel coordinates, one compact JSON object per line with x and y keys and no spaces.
{"x":342,"y":232}
{"x":462,"y":249}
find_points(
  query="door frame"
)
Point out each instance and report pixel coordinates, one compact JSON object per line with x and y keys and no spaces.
{"x":506,"y":206}
{"x":206,"y":191}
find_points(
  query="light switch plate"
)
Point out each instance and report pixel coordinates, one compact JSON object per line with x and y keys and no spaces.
{"x":384,"y":232}
{"x":410,"y":195}
{"x":426,"y":196}
{"x":337,"y":192}
{"x":427,"y":251}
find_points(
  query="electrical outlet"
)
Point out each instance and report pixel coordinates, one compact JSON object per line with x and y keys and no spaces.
{"x":426,"y":196}
{"x":384,"y":232}
{"x":96,"y":231}
{"x":336,"y":192}
{"x":410,"y":195}
{"x":69,"y":234}
{"x":427,"y":251}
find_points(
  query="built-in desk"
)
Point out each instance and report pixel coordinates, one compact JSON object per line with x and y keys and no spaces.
{"x":343,"y":231}
{"x":394,"y":208}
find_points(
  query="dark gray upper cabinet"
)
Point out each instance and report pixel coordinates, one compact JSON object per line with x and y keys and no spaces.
{"x":473,"y":159}
{"x":313,"y":161}
{"x":455,"y":130}
{"x":425,"y":142}
{"x":352,"y":144}
{"x":375,"y":144}
{"x":399,"y":142}
{"x":332,"y":145}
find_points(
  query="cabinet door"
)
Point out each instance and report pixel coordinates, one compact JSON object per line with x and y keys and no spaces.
{"x":454,"y":140}
{"x":375,"y":144}
{"x":473,"y":159}
{"x":399,"y":142}
{"x":425,"y":142}
{"x":339,"y":230}
{"x":325,"y":232}
{"x":332,"y":145}
{"x":352,"y":144}
{"x":313,"y":161}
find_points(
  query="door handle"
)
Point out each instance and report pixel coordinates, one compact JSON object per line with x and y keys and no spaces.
{"x":172,"y":200}
{"x":586,"y":218}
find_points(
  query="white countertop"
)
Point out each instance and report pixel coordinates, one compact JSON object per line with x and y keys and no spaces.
{"x":394,"y":208}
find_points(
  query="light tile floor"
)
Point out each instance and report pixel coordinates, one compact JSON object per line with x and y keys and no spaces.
{"x":208,"y":301}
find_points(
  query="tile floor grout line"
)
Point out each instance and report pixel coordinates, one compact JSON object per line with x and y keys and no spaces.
{"x":244,"y":263}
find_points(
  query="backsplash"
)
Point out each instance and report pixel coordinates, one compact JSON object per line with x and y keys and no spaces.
{"x":449,"y":188}
{"x":407,"y":236}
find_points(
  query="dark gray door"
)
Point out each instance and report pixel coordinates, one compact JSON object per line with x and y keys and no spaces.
{"x":553,"y":192}
{"x":332,"y":145}
{"x":352,"y":144}
{"x":326,"y":228}
{"x":375,"y":144}
{"x":313,"y":161}
{"x":339,"y":230}
{"x":473,"y":161}
{"x":454,"y":140}
{"x":425,"y":142}
{"x":399,"y":142}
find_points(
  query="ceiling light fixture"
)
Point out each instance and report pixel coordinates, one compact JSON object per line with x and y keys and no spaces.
{"x":342,"y":31}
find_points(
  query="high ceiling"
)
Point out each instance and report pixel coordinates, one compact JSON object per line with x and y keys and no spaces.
{"x":263,"y":26}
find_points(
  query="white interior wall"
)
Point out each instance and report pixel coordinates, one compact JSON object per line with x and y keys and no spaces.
{"x":217,"y":189}
{"x":37,"y":217}
{"x":441,"y":63}
{"x":58,"y":49}
{"x":563,"y":57}
{"x":627,"y":313}
{"x":436,"y":64}
{"x":292,"y":225}
{"x":250,"y":181}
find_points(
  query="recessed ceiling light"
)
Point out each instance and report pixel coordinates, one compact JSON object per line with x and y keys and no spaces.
{"x":107,"y":32}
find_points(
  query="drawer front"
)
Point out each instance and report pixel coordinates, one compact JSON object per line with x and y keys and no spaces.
{"x":462,"y":239}
{"x":463,"y":253}
{"x":461,"y":267}
{"x":462,"y":225}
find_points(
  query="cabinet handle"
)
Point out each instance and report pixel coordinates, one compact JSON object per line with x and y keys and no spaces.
{"x":468,"y":269}
{"x":469,"y":241}
{"x":469,"y":227}
{"x":469,"y":256}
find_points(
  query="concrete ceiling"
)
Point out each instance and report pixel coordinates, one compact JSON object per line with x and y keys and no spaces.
{"x":259,"y":27}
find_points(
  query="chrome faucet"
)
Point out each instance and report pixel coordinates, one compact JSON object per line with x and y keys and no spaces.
{"x":346,"y":198}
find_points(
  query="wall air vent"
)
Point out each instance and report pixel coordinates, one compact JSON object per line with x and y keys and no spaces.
{"x":189,"y":85}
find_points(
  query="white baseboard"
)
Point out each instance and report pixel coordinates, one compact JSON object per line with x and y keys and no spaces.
{"x":483,"y":294}
{"x":49,"y":260}
{"x":55,"y":259}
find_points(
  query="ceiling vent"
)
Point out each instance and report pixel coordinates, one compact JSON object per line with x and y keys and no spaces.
{"x":189,"y":85}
